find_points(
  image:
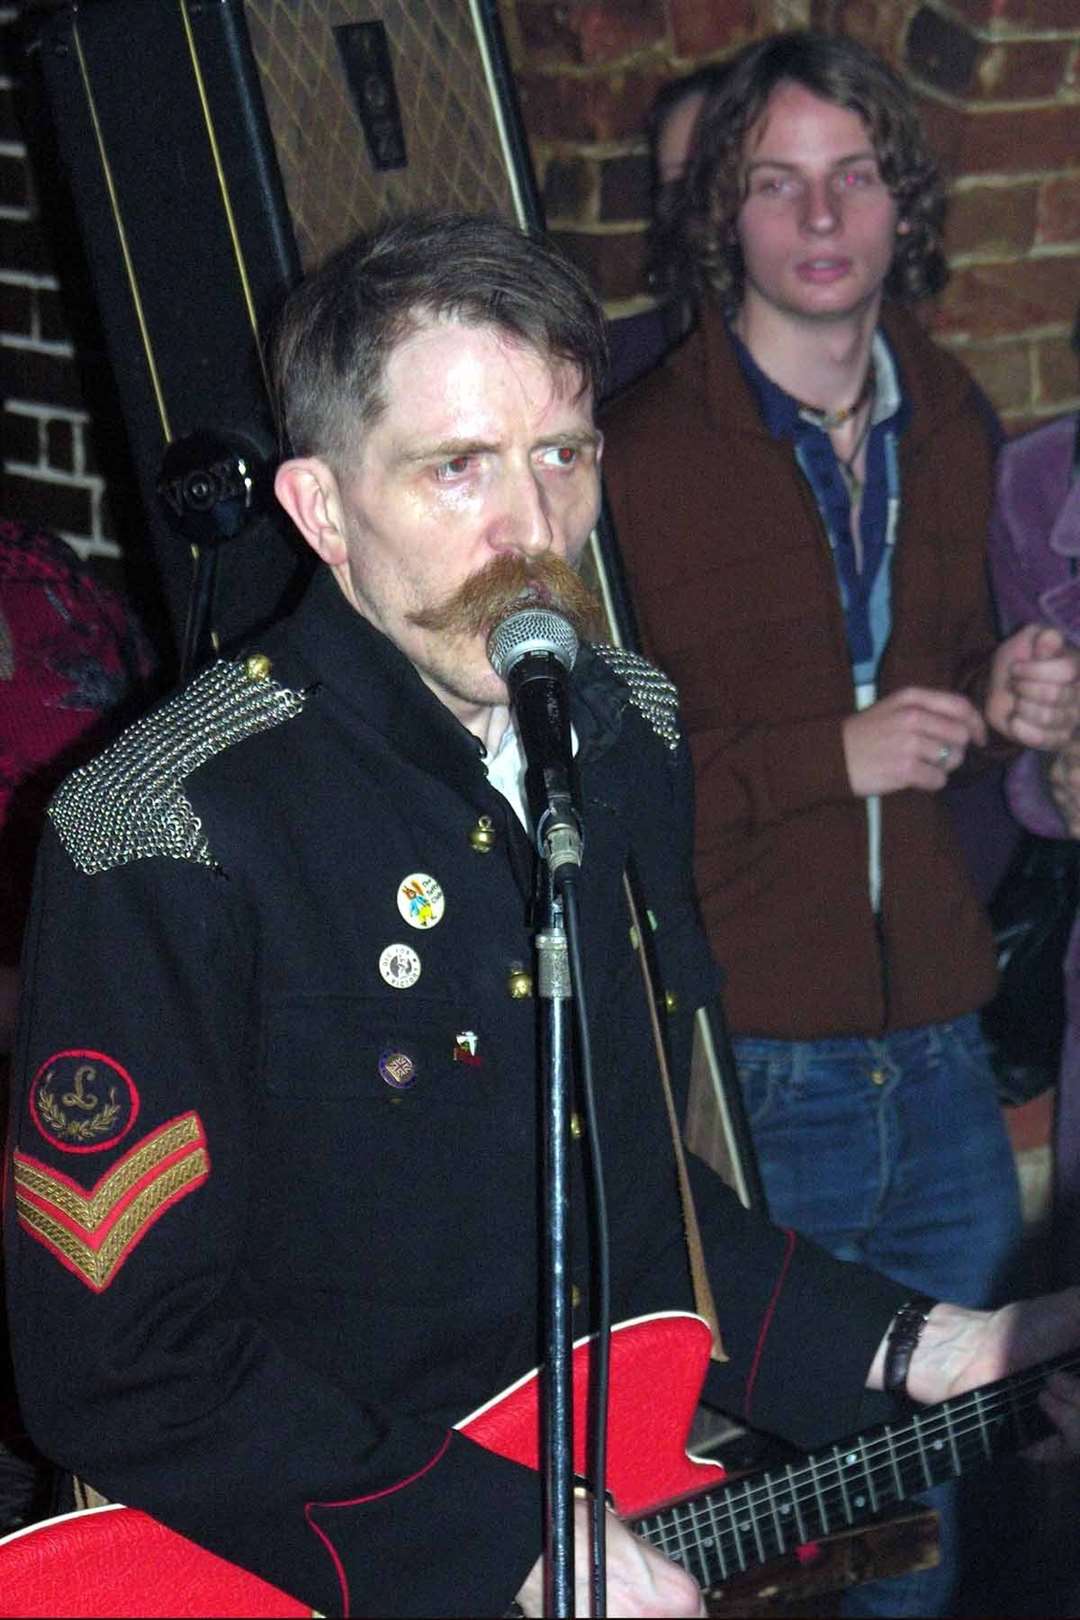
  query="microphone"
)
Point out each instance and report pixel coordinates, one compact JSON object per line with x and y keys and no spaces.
{"x":533,"y":650}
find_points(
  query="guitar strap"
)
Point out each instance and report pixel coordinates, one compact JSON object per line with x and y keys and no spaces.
{"x":704,"y":1303}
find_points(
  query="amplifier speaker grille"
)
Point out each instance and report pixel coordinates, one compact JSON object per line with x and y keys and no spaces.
{"x":455,"y":160}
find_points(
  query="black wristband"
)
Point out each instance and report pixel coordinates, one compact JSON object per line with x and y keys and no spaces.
{"x":903,"y":1335}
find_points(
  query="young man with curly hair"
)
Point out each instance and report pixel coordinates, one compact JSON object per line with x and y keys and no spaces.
{"x":801,"y":493}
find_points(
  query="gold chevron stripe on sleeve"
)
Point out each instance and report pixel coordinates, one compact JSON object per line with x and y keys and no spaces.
{"x":90,"y":1209}
{"x":93,"y":1233}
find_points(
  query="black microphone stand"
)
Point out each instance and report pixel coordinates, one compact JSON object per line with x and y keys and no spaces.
{"x":557,"y":1402}
{"x":559,"y":842}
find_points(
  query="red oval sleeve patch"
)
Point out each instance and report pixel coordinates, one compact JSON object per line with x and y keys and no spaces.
{"x":83,"y":1101}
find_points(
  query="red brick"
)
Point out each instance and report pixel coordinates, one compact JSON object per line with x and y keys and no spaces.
{"x":60,"y":445}
{"x":53,"y":317}
{"x":1004,"y":372}
{"x":46,"y":378}
{"x":991,"y":219}
{"x":1058,"y":218}
{"x":55,"y":506}
{"x":699,"y":26}
{"x":568,"y":188}
{"x":618,"y":27}
{"x":10,"y":125}
{"x":1019,"y":13}
{"x":626,"y":188}
{"x":877,"y":24}
{"x":1057,"y":371}
{"x":23,"y":247}
{"x":16,"y":309}
{"x":20,"y":438}
{"x":1022,"y":71}
{"x":558,"y":107}
{"x":614,"y":264}
{"x":945,"y":127}
{"x":1035,"y":138}
{"x":991,"y":300}
{"x":578,"y":32}
{"x":546,"y":32}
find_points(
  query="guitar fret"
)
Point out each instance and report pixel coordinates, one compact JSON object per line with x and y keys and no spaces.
{"x":852,"y":1459}
{"x":751,"y":1513}
{"x":695,"y":1557}
{"x":803,"y":1536}
{"x":778,"y":1528}
{"x":717,"y":1541}
{"x":735,"y":1533}
{"x":946,"y":1417}
{"x":984,"y":1431}
{"x":812,"y":1464}
{"x":839,"y":1456}
{"x":710,"y":1534}
{"x":1017,"y":1417}
{"x":865,"y":1460}
{"x":679,"y":1551}
{"x":894,"y":1462}
{"x":917,"y":1430}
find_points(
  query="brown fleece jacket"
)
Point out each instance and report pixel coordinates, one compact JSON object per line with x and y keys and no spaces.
{"x":734,"y":585}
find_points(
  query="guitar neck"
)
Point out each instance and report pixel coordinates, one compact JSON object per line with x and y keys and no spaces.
{"x":752,"y":1520}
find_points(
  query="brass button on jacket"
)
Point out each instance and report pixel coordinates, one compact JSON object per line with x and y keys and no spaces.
{"x":483,"y":836}
{"x":519,"y":984}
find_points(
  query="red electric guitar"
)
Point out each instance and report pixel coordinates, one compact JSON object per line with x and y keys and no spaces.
{"x":120,"y":1562}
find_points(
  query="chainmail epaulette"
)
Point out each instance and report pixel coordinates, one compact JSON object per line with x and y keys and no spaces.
{"x":652,"y":693}
{"x":129,"y":803}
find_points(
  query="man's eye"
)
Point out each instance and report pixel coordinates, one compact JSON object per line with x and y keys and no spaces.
{"x":855,"y":179}
{"x":454,"y":468}
{"x":560,"y":455}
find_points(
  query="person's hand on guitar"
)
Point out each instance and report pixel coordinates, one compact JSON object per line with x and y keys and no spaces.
{"x":961,"y":1349}
{"x":640,"y":1581}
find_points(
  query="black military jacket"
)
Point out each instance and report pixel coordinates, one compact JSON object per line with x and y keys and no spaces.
{"x":272,"y":1206}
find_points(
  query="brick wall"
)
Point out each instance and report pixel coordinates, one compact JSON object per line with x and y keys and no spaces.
{"x":49,"y":469}
{"x":998,"y":83}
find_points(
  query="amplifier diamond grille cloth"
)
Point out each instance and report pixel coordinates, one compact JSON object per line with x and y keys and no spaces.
{"x":455,"y":159}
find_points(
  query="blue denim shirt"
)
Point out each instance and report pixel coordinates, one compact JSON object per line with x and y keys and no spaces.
{"x":865,"y":593}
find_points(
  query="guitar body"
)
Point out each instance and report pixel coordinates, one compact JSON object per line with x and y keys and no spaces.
{"x":116,"y":1561}
{"x":658,"y":1365}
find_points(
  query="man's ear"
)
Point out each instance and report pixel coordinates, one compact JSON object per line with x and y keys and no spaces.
{"x":308,"y":490}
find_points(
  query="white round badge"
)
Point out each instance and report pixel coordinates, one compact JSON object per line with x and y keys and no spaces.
{"x":420,"y":900}
{"x":399,"y":966}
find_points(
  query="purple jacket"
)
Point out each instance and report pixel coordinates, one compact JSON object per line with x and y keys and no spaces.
{"x":1035,"y":564}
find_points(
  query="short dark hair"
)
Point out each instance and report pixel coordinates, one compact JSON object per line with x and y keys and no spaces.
{"x":838,"y":70}
{"x":336,"y":331}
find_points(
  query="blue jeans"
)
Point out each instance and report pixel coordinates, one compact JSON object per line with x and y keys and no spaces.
{"x":892,"y":1152}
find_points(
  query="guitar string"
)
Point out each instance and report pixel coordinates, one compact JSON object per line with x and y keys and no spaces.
{"x":832,"y":1477}
{"x":835,"y":1473}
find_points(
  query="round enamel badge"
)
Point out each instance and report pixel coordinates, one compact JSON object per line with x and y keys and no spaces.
{"x":399,"y":966}
{"x":420,"y":900}
{"x":398,"y":1070}
{"x":82,"y":1101}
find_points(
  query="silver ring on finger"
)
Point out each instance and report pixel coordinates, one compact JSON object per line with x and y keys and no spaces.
{"x":944,"y":756}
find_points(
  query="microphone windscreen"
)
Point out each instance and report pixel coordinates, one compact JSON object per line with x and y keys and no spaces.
{"x":528,"y":630}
